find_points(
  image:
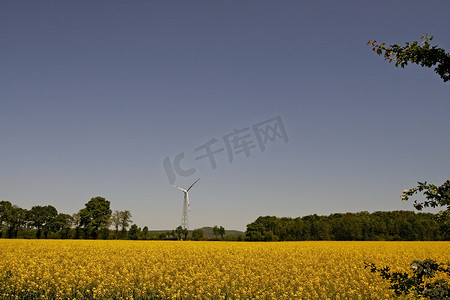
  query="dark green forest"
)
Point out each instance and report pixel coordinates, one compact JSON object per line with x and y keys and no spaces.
{"x":361,"y":226}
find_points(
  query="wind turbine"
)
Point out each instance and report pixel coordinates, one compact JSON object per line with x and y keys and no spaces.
{"x":186,"y":205}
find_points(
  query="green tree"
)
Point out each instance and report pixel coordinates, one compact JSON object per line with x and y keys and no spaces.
{"x":61,"y":224}
{"x":133,"y":234}
{"x":178,"y":232}
{"x":5,"y":207}
{"x":125,"y":220}
{"x":216,"y":231}
{"x":41,"y":217}
{"x":15,"y":219}
{"x":423,"y":54}
{"x":95,"y":216}
{"x":76,"y":223}
{"x":197,"y":234}
{"x":436,"y":196}
{"x":265,"y":229}
{"x":254,"y":232}
{"x":104,"y":233}
{"x":221,"y":232}
{"x":144,"y":235}
{"x":115,"y":220}
{"x":168,"y":235}
{"x":394,"y":225}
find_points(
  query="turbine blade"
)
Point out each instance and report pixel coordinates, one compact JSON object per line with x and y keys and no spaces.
{"x":180,"y":188}
{"x":192,"y":185}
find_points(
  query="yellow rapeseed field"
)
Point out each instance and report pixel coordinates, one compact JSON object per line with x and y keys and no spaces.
{"x":80,"y":269}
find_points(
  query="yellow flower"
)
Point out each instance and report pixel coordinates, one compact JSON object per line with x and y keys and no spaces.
{"x":80,"y":269}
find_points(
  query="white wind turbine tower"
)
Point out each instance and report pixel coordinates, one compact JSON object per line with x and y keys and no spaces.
{"x":186,"y":206}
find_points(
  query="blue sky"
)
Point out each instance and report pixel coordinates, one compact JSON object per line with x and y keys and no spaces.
{"x":95,"y":95}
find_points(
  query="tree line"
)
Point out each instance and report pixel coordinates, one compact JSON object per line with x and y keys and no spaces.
{"x":361,"y":226}
{"x":91,"y":222}
{"x":94,"y":221}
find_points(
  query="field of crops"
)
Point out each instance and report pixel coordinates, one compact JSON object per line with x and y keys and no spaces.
{"x":78,"y":269}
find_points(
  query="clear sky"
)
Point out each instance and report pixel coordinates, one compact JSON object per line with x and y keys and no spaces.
{"x":96,"y":95}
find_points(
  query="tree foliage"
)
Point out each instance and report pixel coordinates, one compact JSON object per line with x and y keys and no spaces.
{"x":60,"y":225}
{"x":125,"y":220}
{"x":418,"y":52}
{"x":133,"y":234}
{"x":15,"y":219}
{"x":425,"y":55}
{"x":218,"y":231}
{"x":121,"y":219}
{"x":95,"y":216}
{"x":362,"y":226}
{"x":436,"y":196}
{"x":145,"y":233}
{"x":41,"y":217}
{"x":180,"y":233}
{"x":418,"y":283}
{"x":92,"y":222}
{"x":197,"y":234}
{"x":5,"y":207}
{"x":221,"y":232}
{"x":115,"y":220}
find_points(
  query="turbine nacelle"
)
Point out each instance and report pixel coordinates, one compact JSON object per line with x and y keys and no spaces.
{"x":186,"y":191}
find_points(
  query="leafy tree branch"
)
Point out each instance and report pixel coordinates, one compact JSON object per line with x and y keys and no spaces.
{"x":436,"y":196}
{"x":420,"y":52}
{"x":418,"y":283}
